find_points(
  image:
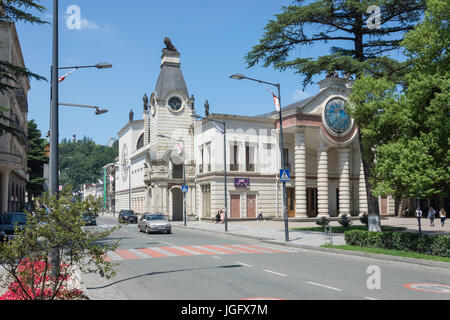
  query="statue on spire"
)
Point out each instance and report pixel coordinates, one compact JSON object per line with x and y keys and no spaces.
{"x":169,"y":45}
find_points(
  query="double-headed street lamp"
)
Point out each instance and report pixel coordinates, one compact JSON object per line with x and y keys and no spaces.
{"x":196,"y":116}
{"x":184,"y":173}
{"x":240,"y":76}
{"x":54,"y":121}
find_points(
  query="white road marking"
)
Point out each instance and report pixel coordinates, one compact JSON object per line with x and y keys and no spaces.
{"x":210,"y":250}
{"x":114,"y":256}
{"x":168,"y":243}
{"x":244,"y":264}
{"x":217,"y":257}
{"x":188,"y":251}
{"x":277,"y":273}
{"x":323,"y":286}
{"x":167,"y":253}
{"x":369,"y":298}
{"x":139,"y":253}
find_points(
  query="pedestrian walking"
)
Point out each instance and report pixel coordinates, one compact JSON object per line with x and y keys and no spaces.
{"x":443,"y":216}
{"x":222,"y":216}
{"x":418,"y":216}
{"x":218,"y":217}
{"x":431,"y":216}
{"x":260,"y":215}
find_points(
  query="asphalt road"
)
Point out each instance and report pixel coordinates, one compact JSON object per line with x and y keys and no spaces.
{"x":194,"y":265}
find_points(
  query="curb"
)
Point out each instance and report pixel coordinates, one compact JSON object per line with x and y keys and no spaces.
{"x":383,"y":257}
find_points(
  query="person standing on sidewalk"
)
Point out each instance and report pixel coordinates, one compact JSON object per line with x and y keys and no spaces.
{"x":418,"y":216}
{"x":260,"y":215}
{"x":442,"y":215}
{"x":431,"y":216}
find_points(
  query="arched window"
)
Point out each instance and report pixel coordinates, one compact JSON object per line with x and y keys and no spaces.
{"x":140,"y":142}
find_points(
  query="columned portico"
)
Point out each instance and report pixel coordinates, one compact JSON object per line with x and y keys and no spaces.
{"x":322,"y":181}
{"x":344,"y":181}
{"x":300,"y":174}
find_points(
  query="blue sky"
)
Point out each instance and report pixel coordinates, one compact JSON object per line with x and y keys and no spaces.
{"x":213,"y":37}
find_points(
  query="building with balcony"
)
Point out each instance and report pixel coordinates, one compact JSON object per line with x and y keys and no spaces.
{"x":13,"y":148}
{"x":321,"y":150}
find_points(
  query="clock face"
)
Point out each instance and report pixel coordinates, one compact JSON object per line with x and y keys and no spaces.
{"x":124,"y":163}
{"x":175,"y":104}
{"x":336,"y":116}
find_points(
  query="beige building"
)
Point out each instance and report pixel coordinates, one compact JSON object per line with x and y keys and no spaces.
{"x":321,"y":149}
{"x":13,"y":153}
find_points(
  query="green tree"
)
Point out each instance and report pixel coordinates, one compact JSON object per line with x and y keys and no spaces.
{"x":79,"y":246}
{"x":409,"y":125}
{"x":36,"y":158}
{"x":360,"y":48}
{"x":12,"y":11}
{"x":82,"y":161}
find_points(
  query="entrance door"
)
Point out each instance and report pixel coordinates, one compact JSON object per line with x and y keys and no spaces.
{"x":311,"y":202}
{"x":235,"y":206}
{"x":206,"y":200}
{"x":251,"y":206}
{"x":177,"y":204}
{"x":290,"y":202}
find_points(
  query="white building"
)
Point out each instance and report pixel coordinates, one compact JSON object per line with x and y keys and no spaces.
{"x":13,"y":149}
{"x":321,"y":148}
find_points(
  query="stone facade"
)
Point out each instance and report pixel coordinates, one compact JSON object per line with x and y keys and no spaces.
{"x":321,"y":149}
{"x":13,"y":152}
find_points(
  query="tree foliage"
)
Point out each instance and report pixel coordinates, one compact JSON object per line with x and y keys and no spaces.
{"x":409,"y":125}
{"x":12,"y":11}
{"x":63,"y":228}
{"x":360,"y":48}
{"x":82,"y":161}
{"x":36,"y":158}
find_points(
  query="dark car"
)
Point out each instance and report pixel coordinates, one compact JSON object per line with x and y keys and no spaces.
{"x":9,"y":222}
{"x":89,"y":218}
{"x":127,"y":216}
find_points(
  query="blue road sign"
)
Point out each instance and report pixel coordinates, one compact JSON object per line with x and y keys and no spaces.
{"x":185,"y":189}
{"x":285,"y":175}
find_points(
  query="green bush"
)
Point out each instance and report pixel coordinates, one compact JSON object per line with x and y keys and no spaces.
{"x":404,"y":241}
{"x":323,"y":221}
{"x":364,"y":219}
{"x":345,"y":221}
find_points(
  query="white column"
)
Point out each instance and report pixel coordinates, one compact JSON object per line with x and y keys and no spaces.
{"x":344,"y":181}
{"x":363,"y":204}
{"x":4,"y":184}
{"x":322,"y":181}
{"x":300,"y":174}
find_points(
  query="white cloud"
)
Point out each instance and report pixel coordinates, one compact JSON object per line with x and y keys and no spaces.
{"x":300,"y":95}
{"x":90,"y":25}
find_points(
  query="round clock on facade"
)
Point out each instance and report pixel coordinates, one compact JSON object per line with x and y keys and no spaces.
{"x":124,"y":163}
{"x":175,"y":104}
{"x":337,"y":117}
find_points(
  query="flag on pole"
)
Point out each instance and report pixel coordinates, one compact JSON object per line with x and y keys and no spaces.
{"x":61,"y":79}
{"x":276,"y":99}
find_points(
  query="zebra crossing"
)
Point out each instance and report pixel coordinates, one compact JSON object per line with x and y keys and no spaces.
{"x":192,"y":250}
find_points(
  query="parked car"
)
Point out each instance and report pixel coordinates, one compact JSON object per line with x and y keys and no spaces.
{"x":9,"y":221}
{"x":154,"y":222}
{"x":89,"y":218}
{"x":127,"y":216}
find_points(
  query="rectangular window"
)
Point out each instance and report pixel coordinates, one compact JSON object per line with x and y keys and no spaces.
{"x":249,"y":158}
{"x":234,"y":157}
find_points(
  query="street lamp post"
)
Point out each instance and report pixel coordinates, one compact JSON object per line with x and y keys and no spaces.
{"x":184,"y":175}
{"x":224,"y":161}
{"x":240,"y":76}
{"x":54,"y":125}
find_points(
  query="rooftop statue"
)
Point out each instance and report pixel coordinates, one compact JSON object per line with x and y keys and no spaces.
{"x":169,"y":45}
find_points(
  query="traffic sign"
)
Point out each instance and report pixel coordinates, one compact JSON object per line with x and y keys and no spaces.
{"x":185,"y":189}
{"x":285,"y":175}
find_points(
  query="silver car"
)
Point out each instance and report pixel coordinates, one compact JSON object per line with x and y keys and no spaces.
{"x":154,"y":222}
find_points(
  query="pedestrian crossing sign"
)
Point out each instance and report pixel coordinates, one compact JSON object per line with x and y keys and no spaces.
{"x":285,"y":175}
{"x":185,"y":189}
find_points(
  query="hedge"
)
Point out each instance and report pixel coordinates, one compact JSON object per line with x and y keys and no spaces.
{"x":405,"y":241}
